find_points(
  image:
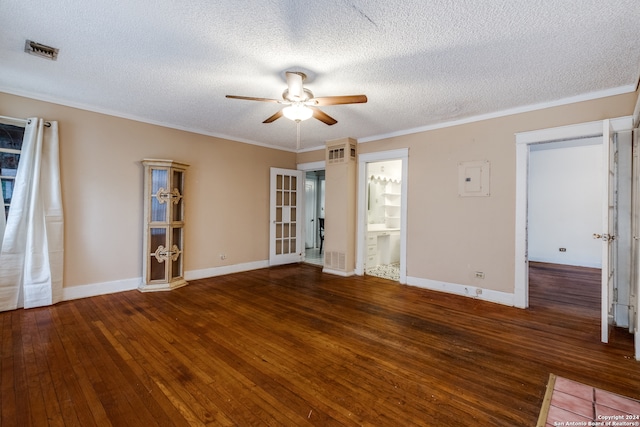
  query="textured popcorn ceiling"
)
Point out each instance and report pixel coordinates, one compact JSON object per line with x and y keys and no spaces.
{"x":421,"y":63}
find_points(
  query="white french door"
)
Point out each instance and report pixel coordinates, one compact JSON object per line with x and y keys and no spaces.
{"x":609,"y":216}
{"x":286,"y":239}
{"x":634,"y":291}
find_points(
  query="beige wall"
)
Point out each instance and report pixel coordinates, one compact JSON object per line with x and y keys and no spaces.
{"x":226,"y":194}
{"x":449,"y":238}
{"x":311,"y":156}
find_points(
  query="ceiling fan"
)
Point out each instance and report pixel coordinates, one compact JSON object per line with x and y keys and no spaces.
{"x":300,"y":102}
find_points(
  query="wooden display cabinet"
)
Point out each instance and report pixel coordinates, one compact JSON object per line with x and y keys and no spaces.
{"x":163,"y":257}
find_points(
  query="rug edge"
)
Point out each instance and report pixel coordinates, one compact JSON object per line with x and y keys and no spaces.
{"x":546,"y":401}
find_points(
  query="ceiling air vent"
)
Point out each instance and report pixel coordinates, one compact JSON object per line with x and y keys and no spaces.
{"x":41,"y":50}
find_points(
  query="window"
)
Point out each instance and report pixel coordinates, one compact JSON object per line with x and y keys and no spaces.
{"x":10,"y":148}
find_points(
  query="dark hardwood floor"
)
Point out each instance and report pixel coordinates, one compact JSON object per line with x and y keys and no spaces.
{"x":290,"y":346}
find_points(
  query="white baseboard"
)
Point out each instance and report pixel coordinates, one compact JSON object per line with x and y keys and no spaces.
{"x":227,"y":269}
{"x":489,"y":295}
{"x":95,"y":289}
{"x":338,"y":272}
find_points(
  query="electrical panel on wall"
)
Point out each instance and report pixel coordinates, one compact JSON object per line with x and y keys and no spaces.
{"x":474,"y":178}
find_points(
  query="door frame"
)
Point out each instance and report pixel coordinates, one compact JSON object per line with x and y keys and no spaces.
{"x":312,"y":210}
{"x":309,"y":167}
{"x":361,"y":232}
{"x":524,"y":141}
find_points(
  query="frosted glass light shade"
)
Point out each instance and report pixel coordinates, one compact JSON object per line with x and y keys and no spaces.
{"x":297,"y":112}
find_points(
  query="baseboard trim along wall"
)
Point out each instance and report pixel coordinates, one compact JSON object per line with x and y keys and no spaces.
{"x":463,"y":290}
{"x":338,"y":272}
{"x":95,"y":289}
{"x":227,"y":269}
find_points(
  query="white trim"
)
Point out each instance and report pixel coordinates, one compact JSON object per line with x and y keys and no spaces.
{"x":525,"y":109}
{"x":521,"y":284}
{"x":305,"y":150}
{"x":636,"y":113}
{"x":227,"y":269}
{"x":489,"y":295}
{"x":338,"y":272}
{"x":524,"y":140}
{"x":108,"y":112}
{"x":104,"y":288}
{"x":361,"y":232}
{"x":312,"y":166}
{"x":575,"y":131}
{"x":14,"y":121}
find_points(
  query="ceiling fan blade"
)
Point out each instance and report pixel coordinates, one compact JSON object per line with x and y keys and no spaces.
{"x":251,"y":98}
{"x":273,"y":118}
{"x":294,"y":82}
{"x":337,"y":100}
{"x":323,"y":117}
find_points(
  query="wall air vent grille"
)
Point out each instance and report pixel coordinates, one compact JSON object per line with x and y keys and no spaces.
{"x":341,"y":153}
{"x":335,"y":260}
{"x":336,"y":154}
{"x":41,"y":50}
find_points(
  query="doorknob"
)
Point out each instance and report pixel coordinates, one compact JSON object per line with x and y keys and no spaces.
{"x":604,"y":237}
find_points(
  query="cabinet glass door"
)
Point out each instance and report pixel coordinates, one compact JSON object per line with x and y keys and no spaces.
{"x":158,"y":245}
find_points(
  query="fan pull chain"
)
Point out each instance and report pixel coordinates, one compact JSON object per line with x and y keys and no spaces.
{"x":297,"y":135}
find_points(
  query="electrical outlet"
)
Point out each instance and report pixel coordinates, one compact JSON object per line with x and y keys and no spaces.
{"x":562,"y":249}
{"x":479,"y":274}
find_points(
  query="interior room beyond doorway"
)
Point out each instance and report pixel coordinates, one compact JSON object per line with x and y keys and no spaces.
{"x":384,"y":191}
{"x":314,"y":217}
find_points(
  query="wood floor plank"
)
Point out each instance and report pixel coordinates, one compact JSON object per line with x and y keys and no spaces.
{"x":29,"y":366}
{"x":292,"y":346}
{"x":90,"y":408}
{"x":9,"y":384}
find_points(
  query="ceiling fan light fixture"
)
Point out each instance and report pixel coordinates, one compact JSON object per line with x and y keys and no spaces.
{"x":297,"y":112}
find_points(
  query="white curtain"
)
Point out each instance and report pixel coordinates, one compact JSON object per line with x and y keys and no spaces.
{"x":31,"y":252}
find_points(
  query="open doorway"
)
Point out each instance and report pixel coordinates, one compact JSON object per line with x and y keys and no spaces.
{"x":564,"y":210}
{"x":384,"y":203}
{"x":314,"y":216}
{"x":613,"y":238}
{"x":382,"y":214}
